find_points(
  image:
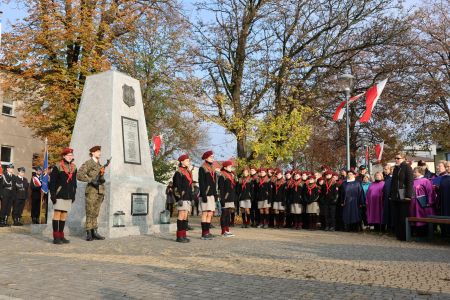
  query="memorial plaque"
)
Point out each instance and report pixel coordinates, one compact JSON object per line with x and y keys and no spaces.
{"x":139,"y":204}
{"x":131,"y":143}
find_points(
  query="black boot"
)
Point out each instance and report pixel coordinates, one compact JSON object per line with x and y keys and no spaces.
{"x":89,"y":235}
{"x":17,"y":222}
{"x":96,"y":236}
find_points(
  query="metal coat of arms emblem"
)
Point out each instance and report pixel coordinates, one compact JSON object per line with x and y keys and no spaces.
{"x":128,"y":95}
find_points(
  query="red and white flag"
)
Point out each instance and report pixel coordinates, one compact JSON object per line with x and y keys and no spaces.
{"x":339,"y":114}
{"x":379,"y":150}
{"x":372,"y":96}
{"x":157,"y":140}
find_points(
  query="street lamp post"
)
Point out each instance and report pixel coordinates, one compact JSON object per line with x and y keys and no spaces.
{"x":346,"y":83}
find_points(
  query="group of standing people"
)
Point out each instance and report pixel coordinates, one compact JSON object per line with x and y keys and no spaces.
{"x":300,"y":199}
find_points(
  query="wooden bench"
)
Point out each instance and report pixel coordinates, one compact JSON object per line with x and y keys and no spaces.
{"x":430,"y":220}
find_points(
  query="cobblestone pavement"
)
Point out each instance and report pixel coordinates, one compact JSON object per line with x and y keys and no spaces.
{"x":256,"y":264}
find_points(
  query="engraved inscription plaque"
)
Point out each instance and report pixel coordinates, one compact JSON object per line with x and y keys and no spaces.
{"x":131,"y":142}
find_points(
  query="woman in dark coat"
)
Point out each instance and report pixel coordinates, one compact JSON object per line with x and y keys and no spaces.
{"x":353,"y":198}
{"x":444,"y":198}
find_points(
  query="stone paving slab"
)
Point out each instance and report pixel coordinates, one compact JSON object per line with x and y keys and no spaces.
{"x":256,"y":264}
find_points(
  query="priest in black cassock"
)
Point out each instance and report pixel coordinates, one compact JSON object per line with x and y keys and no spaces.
{"x":353,"y":198}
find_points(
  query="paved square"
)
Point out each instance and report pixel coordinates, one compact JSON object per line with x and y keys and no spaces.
{"x":256,"y":264}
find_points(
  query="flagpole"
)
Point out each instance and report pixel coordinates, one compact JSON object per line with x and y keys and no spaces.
{"x":346,"y":82}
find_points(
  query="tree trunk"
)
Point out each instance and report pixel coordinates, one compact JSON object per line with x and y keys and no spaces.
{"x":241,"y":151}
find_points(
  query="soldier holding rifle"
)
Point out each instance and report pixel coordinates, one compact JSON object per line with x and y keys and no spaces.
{"x":92,"y":172}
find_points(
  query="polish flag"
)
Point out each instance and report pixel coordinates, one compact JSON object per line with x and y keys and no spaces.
{"x":372,"y":96}
{"x":339,"y":114}
{"x":379,"y":150}
{"x":157,"y":140}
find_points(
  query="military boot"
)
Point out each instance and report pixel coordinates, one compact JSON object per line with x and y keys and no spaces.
{"x":96,"y":236}
{"x":89,"y":235}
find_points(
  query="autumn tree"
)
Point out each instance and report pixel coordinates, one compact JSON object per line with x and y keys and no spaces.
{"x":156,"y":54}
{"x":265,"y":58}
{"x":54,"y":48}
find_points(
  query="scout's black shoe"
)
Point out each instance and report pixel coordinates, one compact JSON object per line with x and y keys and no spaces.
{"x":17,"y":222}
{"x":2,"y":223}
{"x":89,"y":236}
{"x":182,"y":240}
{"x":96,"y":236}
{"x":186,"y":239}
{"x":57,"y":241}
{"x":64,"y":240}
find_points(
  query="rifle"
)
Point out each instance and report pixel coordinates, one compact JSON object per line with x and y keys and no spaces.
{"x":99,"y":179}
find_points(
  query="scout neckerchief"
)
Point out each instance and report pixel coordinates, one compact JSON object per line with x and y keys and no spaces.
{"x":310,"y":188}
{"x":262,"y":180}
{"x":229,"y":176}
{"x":69,"y":172}
{"x":328,"y":186}
{"x":297,"y":183}
{"x":186,"y":173}
{"x":244,"y":181}
{"x":278,"y":184}
{"x":210,"y":169}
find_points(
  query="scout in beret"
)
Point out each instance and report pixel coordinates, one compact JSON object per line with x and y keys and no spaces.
{"x":207,"y":179}
{"x":227,"y":189}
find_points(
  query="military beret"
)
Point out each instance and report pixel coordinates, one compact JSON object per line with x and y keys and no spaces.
{"x":38,"y":168}
{"x":21,"y":169}
{"x":207,"y":154}
{"x":227,"y":163}
{"x":95,"y":148}
{"x":183,"y":157}
{"x":66,"y":151}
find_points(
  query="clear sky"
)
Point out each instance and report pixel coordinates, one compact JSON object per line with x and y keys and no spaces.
{"x":222,"y":143}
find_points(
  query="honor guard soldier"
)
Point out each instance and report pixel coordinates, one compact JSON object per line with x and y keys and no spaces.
{"x":92,"y":172}
{"x":245,"y":194}
{"x":22,"y":187}
{"x":8,"y":189}
{"x":36,"y":184}
{"x":62,"y":186}
{"x":227,"y":190}
{"x":182,"y":189}
{"x":207,"y":180}
{"x":311,"y":194}
{"x":264,"y":191}
{"x":297,"y":200}
{"x":279,"y":198}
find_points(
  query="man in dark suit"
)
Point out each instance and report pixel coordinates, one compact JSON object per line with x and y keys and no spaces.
{"x":401,"y":194}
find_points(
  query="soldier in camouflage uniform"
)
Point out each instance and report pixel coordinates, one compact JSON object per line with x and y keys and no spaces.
{"x":92,"y":173}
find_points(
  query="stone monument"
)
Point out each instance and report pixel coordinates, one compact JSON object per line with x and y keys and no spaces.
{"x":111,"y":114}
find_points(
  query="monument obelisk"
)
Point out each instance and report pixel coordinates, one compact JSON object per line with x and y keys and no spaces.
{"x":111,"y":114}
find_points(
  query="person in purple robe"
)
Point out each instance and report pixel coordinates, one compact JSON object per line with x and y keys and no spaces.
{"x":353,"y":199}
{"x":374,"y":202}
{"x":422,"y":202}
{"x":444,"y":199}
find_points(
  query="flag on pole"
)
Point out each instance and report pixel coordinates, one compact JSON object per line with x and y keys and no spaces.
{"x":157,"y":140}
{"x":339,"y":114}
{"x":379,"y":150}
{"x":44,"y":175}
{"x":372,"y":96}
{"x":367,"y":156}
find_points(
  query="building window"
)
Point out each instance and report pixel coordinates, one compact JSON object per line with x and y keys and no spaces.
{"x":8,"y":108}
{"x":6,"y":155}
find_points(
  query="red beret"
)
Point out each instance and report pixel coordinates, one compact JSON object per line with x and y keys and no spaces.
{"x":262,"y":169}
{"x":320,"y":178}
{"x":253,"y":168}
{"x":95,"y":148}
{"x":278,"y":171}
{"x":207,"y":154}
{"x":288,"y":172}
{"x":183,"y":157}
{"x":335,"y":174}
{"x":66,"y":151}
{"x":328,"y":172}
{"x":227,"y":163}
{"x":311,"y":177}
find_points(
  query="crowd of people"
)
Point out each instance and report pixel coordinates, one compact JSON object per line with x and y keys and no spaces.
{"x":346,"y":201}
